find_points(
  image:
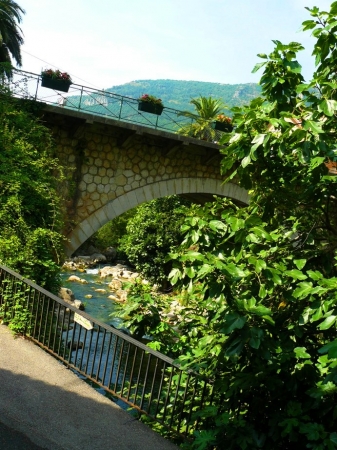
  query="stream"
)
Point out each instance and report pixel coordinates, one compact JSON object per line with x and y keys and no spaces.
{"x":99,"y":306}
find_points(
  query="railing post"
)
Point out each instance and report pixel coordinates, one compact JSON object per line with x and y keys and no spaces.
{"x":120,"y":109}
{"x":37,"y":87}
{"x":79,"y":105}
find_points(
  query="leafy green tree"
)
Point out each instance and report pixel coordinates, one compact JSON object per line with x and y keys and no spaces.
{"x":111,"y":233}
{"x":30,"y":213}
{"x":264,"y":329}
{"x":10,"y":34}
{"x":151,"y":234}
{"x":206,"y":110}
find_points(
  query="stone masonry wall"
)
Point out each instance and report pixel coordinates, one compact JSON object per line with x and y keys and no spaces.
{"x":99,"y":168}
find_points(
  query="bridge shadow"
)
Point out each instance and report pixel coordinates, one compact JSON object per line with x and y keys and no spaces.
{"x":60,"y":411}
{"x":10,"y":439}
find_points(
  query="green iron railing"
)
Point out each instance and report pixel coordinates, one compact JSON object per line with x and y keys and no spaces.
{"x":146,"y":380}
{"x":102,"y":103}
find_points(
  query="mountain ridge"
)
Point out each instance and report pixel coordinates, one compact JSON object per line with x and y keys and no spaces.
{"x":177,"y":94}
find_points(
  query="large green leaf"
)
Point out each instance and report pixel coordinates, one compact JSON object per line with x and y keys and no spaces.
{"x":295,"y":274}
{"x":246,"y":160}
{"x":235,"y":223}
{"x":217,"y":225}
{"x":260,"y":264}
{"x":314,"y":274}
{"x":261,"y":232}
{"x":274,"y":274}
{"x":235,"y":347}
{"x":262,"y":291}
{"x":301,"y":352}
{"x":330,"y":349}
{"x":303,"y":290}
{"x":233,"y":321}
{"x":315,"y":127}
{"x":300,"y":263}
{"x":174,"y":276}
{"x":328,"y":107}
{"x":327,"y":323}
{"x":190,"y":272}
{"x":234,"y":270}
{"x":260,"y":310}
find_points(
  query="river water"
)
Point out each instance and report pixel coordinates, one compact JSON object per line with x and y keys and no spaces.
{"x":99,"y":306}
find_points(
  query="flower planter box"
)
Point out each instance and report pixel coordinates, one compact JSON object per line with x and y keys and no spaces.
{"x":222,"y":126}
{"x":150,"y":108}
{"x":57,"y":85}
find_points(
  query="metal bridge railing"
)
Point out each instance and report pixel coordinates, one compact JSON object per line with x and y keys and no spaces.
{"x":143,"y":378}
{"x":102,"y":103}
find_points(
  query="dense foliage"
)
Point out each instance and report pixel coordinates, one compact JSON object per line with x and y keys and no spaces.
{"x":111,"y":233}
{"x":261,"y":307}
{"x":30,"y":219}
{"x":151,"y":234}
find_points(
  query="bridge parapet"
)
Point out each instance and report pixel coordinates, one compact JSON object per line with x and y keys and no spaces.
{"x":104,"y":104}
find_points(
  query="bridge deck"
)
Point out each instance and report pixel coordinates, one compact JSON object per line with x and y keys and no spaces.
{"x":56,"y":410}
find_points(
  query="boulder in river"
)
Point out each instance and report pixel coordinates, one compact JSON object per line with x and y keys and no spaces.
{"x":68,"y":296}
{"x":77,"y":279}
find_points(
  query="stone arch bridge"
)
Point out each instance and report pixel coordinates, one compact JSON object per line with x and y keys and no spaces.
{"x":113,"y":166}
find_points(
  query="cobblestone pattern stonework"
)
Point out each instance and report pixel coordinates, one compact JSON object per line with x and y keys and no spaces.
{"x":110,"y":169}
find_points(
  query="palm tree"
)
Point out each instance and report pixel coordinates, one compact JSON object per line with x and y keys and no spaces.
{"x":11,"y":37}
{"x":207,"y":108}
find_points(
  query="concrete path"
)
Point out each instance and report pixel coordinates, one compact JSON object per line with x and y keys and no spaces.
{"x":45,"y":405}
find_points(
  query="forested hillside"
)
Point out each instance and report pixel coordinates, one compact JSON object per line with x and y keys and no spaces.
{"x":177,"y":94}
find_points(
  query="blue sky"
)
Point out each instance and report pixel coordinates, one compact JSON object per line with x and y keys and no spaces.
{"x":104,"y":43}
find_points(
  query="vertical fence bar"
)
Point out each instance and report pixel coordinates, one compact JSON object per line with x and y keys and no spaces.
{"x":145,"y":381}
{"x":113,"y":363}
{"x":95,"y":351}
{"x":56,"y":324}
{"x":131,"y":373}
{"x":119,"y":365}
{"x":138,"y":377}
{"x":82,"y":355}
{"x":125,"y":368}
{"x":100,"y":355}
{"x":88,"y":352}
{"x":106,"y":361}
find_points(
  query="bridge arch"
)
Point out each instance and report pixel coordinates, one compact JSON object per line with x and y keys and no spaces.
{"x":133,"y":198}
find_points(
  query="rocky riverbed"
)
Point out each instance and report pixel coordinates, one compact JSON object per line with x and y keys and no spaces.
{"x":98,"y":284}
{"x":97,"y":290}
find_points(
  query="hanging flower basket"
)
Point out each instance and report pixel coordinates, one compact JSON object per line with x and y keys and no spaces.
{"x":150,"y":108}
{"x":332,"y":167}
{"x":150,"y":104}
{"x":57,"y":85}
{"x":222,"y":126}
{"x":222,"y":123}
{"x":55,"y":79}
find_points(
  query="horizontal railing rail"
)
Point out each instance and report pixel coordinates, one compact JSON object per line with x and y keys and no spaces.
{"x":146,"y":380}
{"x":103,"y":103}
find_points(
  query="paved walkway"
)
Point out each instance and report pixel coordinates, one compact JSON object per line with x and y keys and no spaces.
{"x":45,"y":405}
